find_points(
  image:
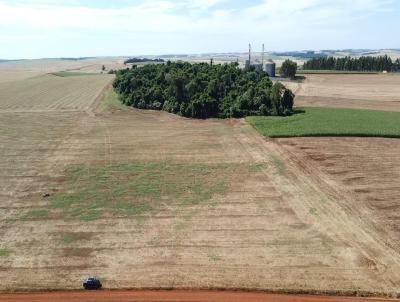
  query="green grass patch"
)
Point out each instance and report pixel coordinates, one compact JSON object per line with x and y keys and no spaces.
{"x":92,"y":192}
{"x":65,"y":74}
{"x":214,"y":257}
{"x":313,"y":211}
{"x":330,"y":122}
{"x":258,"y":167}
{"x":279,"y":165}
{"x":5,"y":252}
{"x":68,"y":238}
{"x":37,"y":214}
{"x":111,"y":101}
{"x":179,"y":226}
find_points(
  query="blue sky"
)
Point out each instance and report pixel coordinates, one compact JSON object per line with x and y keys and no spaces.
{"x":60,"y":28}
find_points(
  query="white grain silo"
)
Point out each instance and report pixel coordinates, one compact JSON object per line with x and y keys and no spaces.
{"x":270,"y":68}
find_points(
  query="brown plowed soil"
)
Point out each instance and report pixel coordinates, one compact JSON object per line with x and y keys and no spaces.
{"x":365,"y":91}
{"x":173,"y":296}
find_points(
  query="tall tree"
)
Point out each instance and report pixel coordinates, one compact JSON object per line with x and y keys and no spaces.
{"x":289,"y":69}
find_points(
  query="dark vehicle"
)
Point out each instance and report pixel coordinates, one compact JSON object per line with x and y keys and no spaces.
{"x":92,"y":283}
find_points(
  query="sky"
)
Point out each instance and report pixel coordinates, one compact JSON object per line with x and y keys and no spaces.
{"x":80,"y":28}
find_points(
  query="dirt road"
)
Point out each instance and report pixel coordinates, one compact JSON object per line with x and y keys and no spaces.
{"x":172,"y":296}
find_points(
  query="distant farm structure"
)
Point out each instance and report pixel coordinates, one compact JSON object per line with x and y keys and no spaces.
{"x":269,"y":67}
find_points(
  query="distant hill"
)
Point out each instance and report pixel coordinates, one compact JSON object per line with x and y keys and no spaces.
{"x":309,"y":54}
{"x":77,"y":59}
{"x":8,"y":61}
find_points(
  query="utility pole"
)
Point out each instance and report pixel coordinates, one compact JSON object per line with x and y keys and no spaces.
{"x":262,"y":56}
{"x":249,"y":54}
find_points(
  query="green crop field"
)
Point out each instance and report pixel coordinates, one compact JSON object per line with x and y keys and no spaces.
{"x":330,"y":122}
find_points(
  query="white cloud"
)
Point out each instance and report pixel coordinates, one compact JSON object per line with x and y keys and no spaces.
{"x":217,"y":22}
{"x":203,"y":4}
{"x":161,"y":16}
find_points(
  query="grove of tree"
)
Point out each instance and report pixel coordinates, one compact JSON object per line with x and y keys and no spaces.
{"x":141,"y":60}
{"x":365,"y":63}
{"x":203,"y":90}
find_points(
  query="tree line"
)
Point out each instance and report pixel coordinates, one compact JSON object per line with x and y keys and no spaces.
{"x":364,"y":63}
{"x":203,"y":90}
{"x":300,"y":55}
{"x":142,"y":60}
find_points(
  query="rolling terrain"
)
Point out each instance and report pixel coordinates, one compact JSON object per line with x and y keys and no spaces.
{"x":146,"y":199}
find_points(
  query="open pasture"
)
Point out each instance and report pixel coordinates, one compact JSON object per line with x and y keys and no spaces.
{"x":365,"y":91}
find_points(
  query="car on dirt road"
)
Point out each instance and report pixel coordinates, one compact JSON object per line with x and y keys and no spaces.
{"x":92,"y":283}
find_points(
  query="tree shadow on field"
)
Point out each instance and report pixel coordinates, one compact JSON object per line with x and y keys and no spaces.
{"x":298,"y":111}
{"x":299,"y":78}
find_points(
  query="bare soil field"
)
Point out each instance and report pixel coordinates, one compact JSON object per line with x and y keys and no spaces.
{"x":365,"y":169}
{"x":25,"y":69}
{"x":263,"y":221}
{"x":52,"y":93}
{"x":147,"y":199}
{"x":174,"y":296}
{"x":366,"y":91}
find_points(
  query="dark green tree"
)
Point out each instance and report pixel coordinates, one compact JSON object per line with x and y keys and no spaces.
{"x":289,"y":69}
{"x":362,"y":64}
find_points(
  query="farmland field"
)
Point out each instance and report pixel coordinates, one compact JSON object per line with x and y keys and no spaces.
{"x":367,"y":169}
{"x":330,"y":122}
{"x":365,"y":91}
{"x":52,"y":93}
{"x":20,"y":70}
{"x":148,"y":199}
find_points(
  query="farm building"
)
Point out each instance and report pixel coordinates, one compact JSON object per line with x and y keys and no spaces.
{"x":270,"y":68}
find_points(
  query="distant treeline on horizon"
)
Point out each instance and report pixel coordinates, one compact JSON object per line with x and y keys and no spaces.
{"x":364,"y":63}
{"x":142,"y":60}
{"x":77,"y":59}
{"x":301,"y":55}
